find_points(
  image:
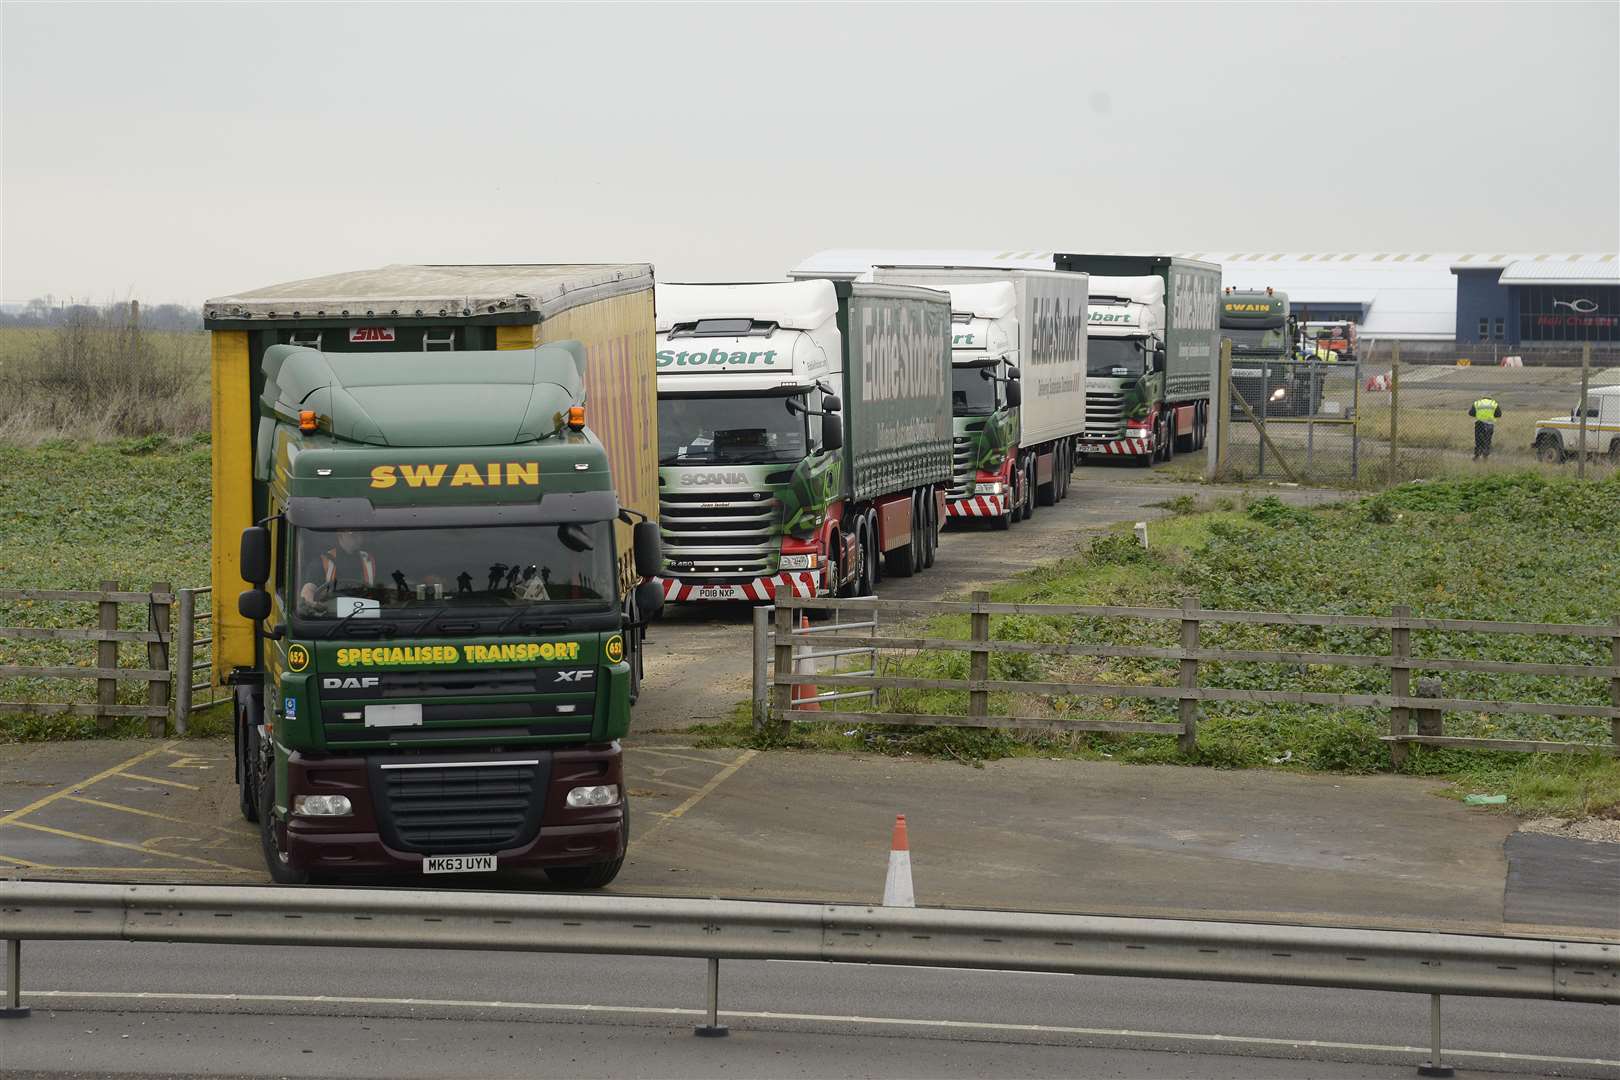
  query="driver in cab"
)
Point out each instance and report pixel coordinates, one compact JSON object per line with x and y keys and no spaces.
{"x":346,"y":566}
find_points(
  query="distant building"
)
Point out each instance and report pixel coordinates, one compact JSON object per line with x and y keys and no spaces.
{"x":1531,"y":301}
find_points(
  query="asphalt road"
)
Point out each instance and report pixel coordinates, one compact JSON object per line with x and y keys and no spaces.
{"x":143,"y":1010}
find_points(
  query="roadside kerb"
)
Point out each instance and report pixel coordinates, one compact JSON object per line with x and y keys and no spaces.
{"x":714,"y":930}
{"x":1188,"y":693}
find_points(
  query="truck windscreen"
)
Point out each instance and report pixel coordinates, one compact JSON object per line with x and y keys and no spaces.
{"x":1114,"y":358}
{"x":973,"y":391}
{"x":375,"y":573}
{"x":1253,"y":340}
{"x":695,"y":429}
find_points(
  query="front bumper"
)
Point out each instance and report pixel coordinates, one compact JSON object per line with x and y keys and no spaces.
{"x":1117,"y":446}
{"x":370,"y":839}
{"x":792,"y":583}
{"x":976,"y":506}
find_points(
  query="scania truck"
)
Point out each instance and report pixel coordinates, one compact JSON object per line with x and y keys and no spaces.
{"x":1155,"y":341}
{"x":804,"y":436}
{"x":438,"y":484}
{"x":1018,"y":384}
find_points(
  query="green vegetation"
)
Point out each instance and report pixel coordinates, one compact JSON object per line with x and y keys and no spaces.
{"x":99,"y":376}
{"x":136,"y":512}
{"x":1498,"y":546}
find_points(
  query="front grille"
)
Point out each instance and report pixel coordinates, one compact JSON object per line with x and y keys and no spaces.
{"x":719,"y":533}
{"x":961,"y":466}
{"x":460,"y":806}
{"x":1105,"y":415}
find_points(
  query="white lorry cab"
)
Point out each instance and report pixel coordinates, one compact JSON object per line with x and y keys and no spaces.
{"x":1559,"y":438}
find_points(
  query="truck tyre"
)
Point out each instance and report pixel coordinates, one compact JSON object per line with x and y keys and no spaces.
{"x":594,"y":875}
{"x":875,"y":563}
{"x":1169,"y":436}
{"x":271,"y":838}
{"x":247,"y":753}
{"x":1549,"y":451}
{"x":1614,"y":452}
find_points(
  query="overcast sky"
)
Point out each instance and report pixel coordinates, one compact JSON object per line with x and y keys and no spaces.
{"x":176,"y":152}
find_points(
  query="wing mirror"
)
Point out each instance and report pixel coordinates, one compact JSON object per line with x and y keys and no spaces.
{"x":256,"y":555}
{"x":832,"y":433}
{"x":831,"y":403}
{"x":649,"y":600}
{"x":649,"y":549}
{"x":254,"y":605}
{"x":1015,"y":393}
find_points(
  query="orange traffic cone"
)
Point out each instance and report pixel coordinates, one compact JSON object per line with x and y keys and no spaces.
{"x":804,"y":695}
{"x":897,"y":891}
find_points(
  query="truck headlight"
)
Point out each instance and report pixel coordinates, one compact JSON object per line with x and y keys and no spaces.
{"x":322,"y":806}
{"x":800,"y":562}
{"x":599,"y":795}
{"x":1279,"y":393}
{"x":996,"y":488}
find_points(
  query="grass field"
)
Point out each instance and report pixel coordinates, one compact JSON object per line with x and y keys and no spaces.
{"x":134,"y":511}
{"x":1518,"y":547}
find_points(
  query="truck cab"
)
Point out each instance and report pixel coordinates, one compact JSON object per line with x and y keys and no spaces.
{"x":984,"y":405}
{"x":1273,"y":382}
{"x":435,"y":657}
{"x":747,"y":473}
{"x":1558,"y":439}
{"x":1125,"y":367}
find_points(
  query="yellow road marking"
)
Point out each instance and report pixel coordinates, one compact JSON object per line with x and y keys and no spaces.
{"x":682,"y":757}
{"x":721,"y":777}
{"x":117,"y":844}
{"x":29,"y":863}
{"x":155,"y":780}
{"x":145,"y":813}
{"x":190,"y":763}
{"x":68,"y":789}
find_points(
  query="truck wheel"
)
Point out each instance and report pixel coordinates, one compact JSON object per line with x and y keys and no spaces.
{"x":247,"y":754}
{"x":595,"y":875}
{"x":867,"y":583}
{"x":1614,"y":452}
{"x":875,"y":563}
{"x":1548,"y":451}
{"x":1169,"y":436}
{"x":272,"y":839}
{"x":1185,"y":444}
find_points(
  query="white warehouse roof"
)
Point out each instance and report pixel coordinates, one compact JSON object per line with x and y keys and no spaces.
{"x":1585,"y":272}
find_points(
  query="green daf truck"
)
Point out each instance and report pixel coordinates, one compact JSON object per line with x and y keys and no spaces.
{"x":1265,"y":369}
{"x":438,"y":484}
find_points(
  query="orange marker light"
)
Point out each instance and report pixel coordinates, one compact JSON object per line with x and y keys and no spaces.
{"x":576,"y":417}
{"x":306,"y":420}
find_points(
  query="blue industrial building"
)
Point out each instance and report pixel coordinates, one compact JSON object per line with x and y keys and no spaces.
{"x":1535,"y":301}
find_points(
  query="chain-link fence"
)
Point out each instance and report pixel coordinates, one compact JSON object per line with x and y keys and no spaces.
{"x":1379,"y":420}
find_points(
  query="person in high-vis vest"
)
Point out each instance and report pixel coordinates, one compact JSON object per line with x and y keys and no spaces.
{"x":346,"y":566}
{"x":1485,"y":412}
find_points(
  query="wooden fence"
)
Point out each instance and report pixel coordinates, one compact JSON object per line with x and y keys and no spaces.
{"x":1402,"y":704}
{"x":107,"y":637}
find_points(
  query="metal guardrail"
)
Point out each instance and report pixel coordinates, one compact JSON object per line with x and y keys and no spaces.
{"x":1409,"y":962}
{"x":192,"y":638}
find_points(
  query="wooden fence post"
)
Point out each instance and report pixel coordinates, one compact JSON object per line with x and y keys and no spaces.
{"x":106,"y":658}
{"x":1187,"y":742}
{"x":762,"y":639}
{"x":157,"y":656}
{"x":979,"y":659}
{"x":1614,"y":681}
{"x":782,"y":691}
{"x":1400,"y":672}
